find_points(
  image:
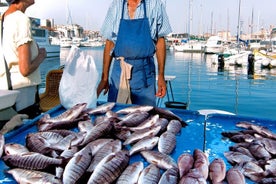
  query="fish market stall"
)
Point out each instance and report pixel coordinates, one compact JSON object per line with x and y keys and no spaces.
{"x":201,"y":133}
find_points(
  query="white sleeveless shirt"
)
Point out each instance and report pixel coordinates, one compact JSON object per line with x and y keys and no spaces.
{"x":16,"y":32}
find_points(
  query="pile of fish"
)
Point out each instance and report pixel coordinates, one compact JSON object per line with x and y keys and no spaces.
{"x":254,"y":152}
{"x":99,"y":145}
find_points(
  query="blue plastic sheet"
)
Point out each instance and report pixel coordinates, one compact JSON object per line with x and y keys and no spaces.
{"x":201,"y":133}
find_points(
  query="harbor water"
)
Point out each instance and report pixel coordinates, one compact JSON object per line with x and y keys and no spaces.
{"x":200,"y":84}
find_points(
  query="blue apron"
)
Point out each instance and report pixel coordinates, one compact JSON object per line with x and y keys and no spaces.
{"x":135,"y":44}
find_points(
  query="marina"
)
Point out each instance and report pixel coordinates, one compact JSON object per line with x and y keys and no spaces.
{"x":200,"y":84}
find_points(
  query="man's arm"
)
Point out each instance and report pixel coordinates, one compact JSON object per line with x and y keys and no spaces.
{"x":161,"y":58}
{"x":107,"y":58}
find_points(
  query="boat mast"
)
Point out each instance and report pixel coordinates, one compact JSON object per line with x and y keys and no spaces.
{"x":239,"y":24}
{"x":190,"y":17}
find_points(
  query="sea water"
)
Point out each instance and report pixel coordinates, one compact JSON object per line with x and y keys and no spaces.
{"x":200,"y":84}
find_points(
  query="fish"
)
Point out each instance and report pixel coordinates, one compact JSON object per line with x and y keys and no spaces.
{"x":32,"y":160}
{"x":242,"y":150}
{"x":31,"y":176}
{"x":234,"y":176}
{"x":150,"y":174}
{"x":252,"y":170}
{"x":201,"y":162}
{"x":258,"y":150}
{"x":237,"y":157}
{"x":97,"y":131}
{"x":169,"y":176}
{"x":97,"y":144}
{"x":267,"y":181}
{"x":110,"y":147}
{"x":85,"y":126}
{"x":14,"y":148}
{"x":147,"y":143}
{"x":14,"y":122}
{"x":64,"y":119}
{"x":42,"y":142}
{"x":185,"y":162}
{"x":174,"y":126}
{"x":161,"y":160}
{"x":259,"y":129}
{"x":165,"y":113}
{"x":194,"y":176}
{"x":133,"y":119}
{"x":77,"y":165}
{"x":131,"y":174}
{"x":167,"y":142}
{"x":135,"y":108}
{"x":217,"y":170}
{"x":270,"y":167}
{"x":110,"y":168}
{"x":164,"y":123}
{"x":138,"y":135}
{"x":151,"y":121}
{"x":101,"y":109}
{"x":269,"y":144}
{"x":2,"y":144}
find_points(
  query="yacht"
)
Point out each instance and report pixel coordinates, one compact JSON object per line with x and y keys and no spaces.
{"x":41,"y":36}
{"x":65,"y":42}
{"x":214,"y":45}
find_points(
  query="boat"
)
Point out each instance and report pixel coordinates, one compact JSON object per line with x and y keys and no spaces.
{"x":190,"y":46}
{"x":214,"y":45}
{"x":41,"y":36}
{"x":65,"y":42}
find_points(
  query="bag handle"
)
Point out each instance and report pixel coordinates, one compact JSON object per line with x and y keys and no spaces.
{"x":8,"y":74}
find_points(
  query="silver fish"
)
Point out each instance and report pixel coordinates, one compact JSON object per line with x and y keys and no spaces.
{"x":131,"y":173}
{"x":133,"y":119}
{"x":85,"y":126}
{"x":237,"y":157}
{"x":101,"y":109}
{"x":41,"y":142}
{"x":252,"y":170}
{"x":270,"y":167}
{"x":31,"y":176}
{"x":174,"y":126}
{"x":135,"y":108}
{"x":201,"y":162}
{"x":97,"y":131}
{"x":110,"y":147}
{"x":165,"y":113}
{"x":164,"y":123}
{"x":96,"y":145}
{"x":185,"y":162}
{"x":77,"y":166}
{"x":136,"y":136}
{"x":217,"y":170}
{"x":169,"y":176}
{"x":258,"y":150}
{"x":194,"y":176}
{"x":14,"y":148}
{"x":2,"y":143}
{"x":110,"y":168}
{"x":31,"y":160}
{"x":151,"y":121}
{"x":259,"y":129}
{"x":235,"y":176}
{"x":150,"y":174}
{"x":147,"y":143}
{"x":167,"y":142}
{"x":66,"y":118}
{"x":161,"y":160}
{"x":269,"y":144}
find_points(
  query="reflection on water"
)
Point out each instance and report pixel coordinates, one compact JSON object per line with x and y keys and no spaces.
{"x":199,"y":83}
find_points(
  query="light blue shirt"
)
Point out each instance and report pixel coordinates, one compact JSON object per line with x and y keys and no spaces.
{"x":156,"y":13}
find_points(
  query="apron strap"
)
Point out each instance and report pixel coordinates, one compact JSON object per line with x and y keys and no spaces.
{"x":145,"y":10}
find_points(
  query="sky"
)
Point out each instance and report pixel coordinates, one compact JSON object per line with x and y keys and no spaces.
{"x":203,"y":15}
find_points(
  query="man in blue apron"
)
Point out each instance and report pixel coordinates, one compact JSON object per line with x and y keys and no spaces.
{"x":134,"y":32}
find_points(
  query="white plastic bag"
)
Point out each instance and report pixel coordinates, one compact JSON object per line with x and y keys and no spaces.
{"x":79,"y":80}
